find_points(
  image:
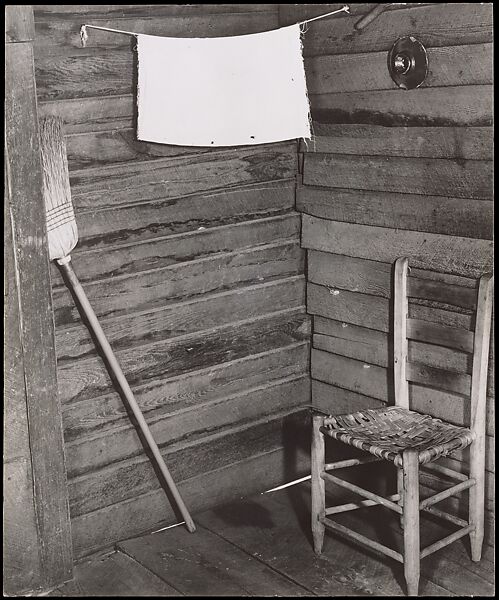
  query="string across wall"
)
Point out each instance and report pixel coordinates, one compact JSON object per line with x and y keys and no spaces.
{"x":222,"y":91}
{"x":84,"y":34}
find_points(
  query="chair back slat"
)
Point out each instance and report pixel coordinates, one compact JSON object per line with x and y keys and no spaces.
{"x":429,"y":289}
{"x":400,"y":343}
{"x":442,"y":335}
{"x":442,"y":379}
{"x":455,"y":377}
{"x":481,"y":354}
{"x":440,"y":357}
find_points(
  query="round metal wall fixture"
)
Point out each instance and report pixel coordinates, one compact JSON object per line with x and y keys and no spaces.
{"x":408,"y":63}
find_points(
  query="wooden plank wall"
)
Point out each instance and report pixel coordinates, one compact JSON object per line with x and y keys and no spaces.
{"x":37,"y":540}
{"x":191,"y":258}
{"x":393,"y":173}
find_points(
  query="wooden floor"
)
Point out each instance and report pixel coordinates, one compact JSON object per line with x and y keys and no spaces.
{"x":262,"y":547}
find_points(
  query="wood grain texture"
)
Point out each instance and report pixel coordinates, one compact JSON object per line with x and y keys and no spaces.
{"x":146,"y":220}
{"x":434,"y":25}
{"x":147,"y":290}
{"x":418,"y":329}
{"x":348,"y":307}
{"x":115,"y":186}
{"x":460,"y":256}
{"x":15,"y":424}
{"x":22,"y":567}
{"x":167,"y":394}
{"x":373,"y":346}
{"x":431,"y":142}
{"x":24,"y":184}
{"x":360,"y":119}
{"x":19,"y":23}
{"x":376,"y":383}
{"x":442,"y":405}
{"x":185,"y":318}
{"x":81,"y":115}
{"x":439,"y":177}
{"x":60,"y":36}
{"x":108,"y":71}
{"x":454,"y":106}
{"x":434,"y":214}
{"x":433,"y":482}
{"x":132,"y":478}
{"x":114,"y":574}
{"x":92,"y":453}
{"x":213,"y":488}
{"x":207,"y":565}
{"x":160,"y":252}
{"x":104,"y":11}
{"x":289,"y":555}
{"x":373,"y":277}
{"x":118,"y":144}
{"x":194,"y":250}
{"x":64,"y":77}
{"x":79,"y":380}
{"x":353,"y":309}
{"x":342,"y":73}
{"x":451,"y":568}
{"x":101,"y":148}
{"x":339,"y":401}
{"x":442,"y":379}
{"x":372,"y":311}
{"x":202,"y":246}
{"x":359,"y":377}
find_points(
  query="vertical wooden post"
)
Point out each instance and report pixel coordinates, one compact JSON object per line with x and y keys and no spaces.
{"x":318,"y":485}
{"x":400,"y":348}
{"x":36,"y":325}
{"x":400,"y":351}
{"x":411,"y":521}
{"x":478,"y":412}
{"x":400,"y":491}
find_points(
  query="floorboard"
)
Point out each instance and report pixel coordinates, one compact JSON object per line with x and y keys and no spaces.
{"x":342,"y":569}
{"x":113,"y":575}
{"x":261,"y":546}
{"x":204,"y":564}
{"x":450,"y":568}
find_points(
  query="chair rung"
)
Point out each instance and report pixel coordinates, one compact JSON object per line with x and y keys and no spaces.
{"x":332,"y":510}
{"x":446,"y":541}
{"x":351,"y":462}
{"x":444,"y":515}
{"x":445,"y":471}
{"x":362,"y":492}
{"x":446,"y":493}
{"x":362,"y":539}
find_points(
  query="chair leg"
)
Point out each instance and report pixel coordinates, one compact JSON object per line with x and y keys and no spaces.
{"x":400,"y":491}
{"x":411,"y":520}
{"x":318,"y":486}
{"x":477,"y":496}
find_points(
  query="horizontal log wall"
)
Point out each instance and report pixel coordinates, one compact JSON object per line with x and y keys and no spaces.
{"x":391,"y":173}
{"x":191,"y":258}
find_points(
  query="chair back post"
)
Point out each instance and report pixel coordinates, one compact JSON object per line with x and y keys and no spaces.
{"x":400,"y":344}
{"x":481,"y":355}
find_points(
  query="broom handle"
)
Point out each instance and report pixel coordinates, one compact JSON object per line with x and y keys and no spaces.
{"x":67,"y":267}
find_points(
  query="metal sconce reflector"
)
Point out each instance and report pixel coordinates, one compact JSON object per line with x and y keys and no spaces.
{"x":408,"y":63}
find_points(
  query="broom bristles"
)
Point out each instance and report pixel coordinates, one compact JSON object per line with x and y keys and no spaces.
{"x":61,"y":223}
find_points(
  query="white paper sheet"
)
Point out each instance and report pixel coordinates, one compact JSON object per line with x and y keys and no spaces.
{"x":228,"y":91}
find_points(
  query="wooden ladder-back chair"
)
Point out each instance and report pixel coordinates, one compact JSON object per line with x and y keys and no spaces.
{"x":410,"y":439}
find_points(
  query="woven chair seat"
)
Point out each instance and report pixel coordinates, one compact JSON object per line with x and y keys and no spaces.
{"x":387,"y":432}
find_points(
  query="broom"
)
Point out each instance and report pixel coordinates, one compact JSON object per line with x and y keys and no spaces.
{"x":62,"y":238}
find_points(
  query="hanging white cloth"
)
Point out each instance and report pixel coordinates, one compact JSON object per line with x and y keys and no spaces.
{"x":225,"y":91}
